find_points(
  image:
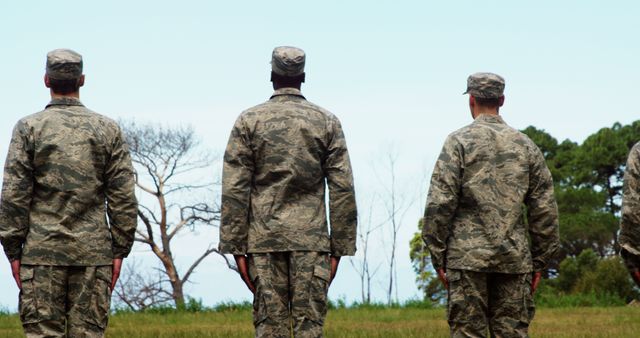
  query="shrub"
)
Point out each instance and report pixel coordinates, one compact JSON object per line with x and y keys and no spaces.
{"x":610,"y":276}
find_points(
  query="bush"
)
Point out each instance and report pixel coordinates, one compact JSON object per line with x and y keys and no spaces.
{"x":419,"y":304}
{"x":572,"y":269}
{"x":233,"y":307}
{"x":341,"y":303}
{"x":588,"y":280}
{"x":195,"y":305}
{"x":4,"y":312}
{"x":610,"y":276}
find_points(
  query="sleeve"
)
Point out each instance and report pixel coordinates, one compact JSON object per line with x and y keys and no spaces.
{"x":343,"y":212}
{"x":17,"y":189}
{"x":542,"y":212}
{"x":442,"y":201}
{"x":630,"y":221}
{"x":237,"y":174}
{"x":122,"y":207}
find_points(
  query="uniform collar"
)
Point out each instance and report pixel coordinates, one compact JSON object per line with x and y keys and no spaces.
{"x":65,"y":101}
{"x":487,"y":118}
{"x":287,"y":91}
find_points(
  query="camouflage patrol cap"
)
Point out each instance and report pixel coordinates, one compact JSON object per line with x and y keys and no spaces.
{"x":288,"y":61}
{"x":485,"y":85}
{"x":64,"y":64}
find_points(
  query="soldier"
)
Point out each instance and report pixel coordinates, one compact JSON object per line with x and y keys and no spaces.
{"x":66,"y":170}
{"x":279,"y":156}
{"x":630,"y":222}
{"x":474,"y":219}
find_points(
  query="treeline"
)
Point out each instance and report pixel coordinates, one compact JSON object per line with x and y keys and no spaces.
{"x":588,"y":187}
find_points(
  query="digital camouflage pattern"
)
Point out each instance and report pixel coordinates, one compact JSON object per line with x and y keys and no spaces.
{"x":288,"y":61}
{"x":474,"y":218}
{"x":503,"y":301}
{"x":279,"y":155}
{"x":59,"y":299}
{"x":291,"y":292}
{"x":64,"y":64}
{"x":63,"y":164}
{"x":630,"y":221}
{"x":485,"y":85}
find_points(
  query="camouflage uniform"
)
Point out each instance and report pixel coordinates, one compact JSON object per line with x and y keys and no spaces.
{"x":630,"y":222}
{"x":67,"y":169}
{"x":475,"y":221}
{"x":279,"y":156}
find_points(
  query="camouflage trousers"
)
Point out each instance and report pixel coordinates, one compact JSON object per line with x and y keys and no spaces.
{"x":499,"y":302}
{"x":65,"y":301}
{"x":291,"y":293}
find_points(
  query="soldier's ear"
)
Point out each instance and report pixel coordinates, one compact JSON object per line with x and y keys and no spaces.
{"x":81,"y":81}
{"x":46,"y":81}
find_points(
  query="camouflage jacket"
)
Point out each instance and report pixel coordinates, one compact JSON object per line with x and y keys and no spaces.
{"x":279,"y":156}
{"x":474,"y":218}
{"x":66,"y":170}
{"x":630,"y":222}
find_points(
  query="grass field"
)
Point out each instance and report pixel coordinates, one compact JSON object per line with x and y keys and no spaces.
{"x":568,"y":322}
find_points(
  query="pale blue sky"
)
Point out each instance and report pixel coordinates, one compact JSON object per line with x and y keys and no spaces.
{"x":392,"y":71}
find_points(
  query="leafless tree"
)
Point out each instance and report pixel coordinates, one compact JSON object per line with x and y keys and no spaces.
{"x":166,"y":159}
{"x":396,"y":206}
{"x":137,"y":291}
{"x":362,"y":266}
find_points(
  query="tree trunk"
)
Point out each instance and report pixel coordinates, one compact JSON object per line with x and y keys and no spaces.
{"x":176,"y":283}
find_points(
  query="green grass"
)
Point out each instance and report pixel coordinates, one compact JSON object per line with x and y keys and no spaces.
{"x":360,"y":322}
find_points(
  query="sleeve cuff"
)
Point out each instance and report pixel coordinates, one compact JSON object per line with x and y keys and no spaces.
{"x":232,"y":249}
{"x":340,"y":253}
{"x":537,"y":266}
{"x":631,"y":261}
{"x":13,"y":255}
{"x":120,"y":253}
{"x":339,"y":250}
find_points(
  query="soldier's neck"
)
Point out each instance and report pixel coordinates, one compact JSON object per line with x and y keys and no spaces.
{"x":277,"y":85}
{"x":75,"y":95}
{"x":479,"y":110}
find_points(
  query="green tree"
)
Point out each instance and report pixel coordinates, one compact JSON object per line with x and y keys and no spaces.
{"x":584,"y":224}
{"x":600,"y":162}
{"x":426,"y":279}
{"x":588,"y":184}
{"x":559,"y":156}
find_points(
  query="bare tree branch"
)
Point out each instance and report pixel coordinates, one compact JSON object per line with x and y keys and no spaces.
{"x":209,"y":251}
{"x":161,"y":156}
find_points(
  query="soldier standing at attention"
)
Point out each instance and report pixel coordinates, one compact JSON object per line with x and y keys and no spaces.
{"x":474,"y":219}
{"x":630,"y":222}
{"x":279,"y":158}
{"x":66,"y":170}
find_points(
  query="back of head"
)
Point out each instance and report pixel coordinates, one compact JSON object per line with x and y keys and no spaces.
{"x":287,"y":66}
{"x":486,"y":88}
{"x":64,"y":71}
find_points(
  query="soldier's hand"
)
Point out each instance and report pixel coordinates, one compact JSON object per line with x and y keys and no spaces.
{"x":15,"y":271}
{"x":335,"y":261}
{"x":636,"y":276}
{"x":243,"y":269}
{"x":115,"y":274}
{"x":442,"y":275}
{"x":535,"y":280}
